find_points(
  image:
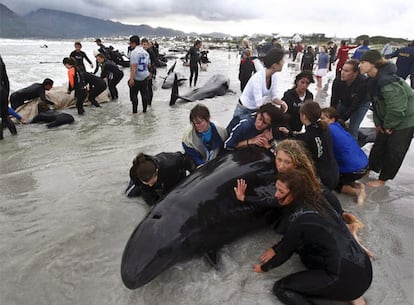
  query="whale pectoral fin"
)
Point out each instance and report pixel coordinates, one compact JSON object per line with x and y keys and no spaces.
{"x":211,"y":258}
{"x":174,"y":91}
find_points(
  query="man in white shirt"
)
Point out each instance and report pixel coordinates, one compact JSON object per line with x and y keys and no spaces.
{"x":138,"y":79}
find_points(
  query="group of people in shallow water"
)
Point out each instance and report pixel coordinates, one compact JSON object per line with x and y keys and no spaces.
{"x":315,"y":154}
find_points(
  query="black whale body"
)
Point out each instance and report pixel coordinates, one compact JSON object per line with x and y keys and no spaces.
{"x":217,"y":85}
{"x":200,"y":214}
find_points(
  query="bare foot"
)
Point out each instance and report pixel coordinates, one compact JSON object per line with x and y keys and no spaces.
{"x":376,"y":183}
{"x":361,"y":194}
{"x":352,"y":219}
{"x":359,"y":301}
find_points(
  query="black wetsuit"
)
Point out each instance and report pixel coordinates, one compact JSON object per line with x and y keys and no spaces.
{"x":33,"y":91}
{"x":348,"y":97}
{"x":172,"y":168}
{"x":194,"y":54}
{"x":246,"y":70}
{"x":80,"y":89}
{"x":96,"y":86}
{"x":111,"y":72}
{"x":319,"y":143}
{"x":308,"y":60}
{"x":79,"y":56}
{"x":153,"y":71}
{"x":4,"y":100}
{"x":293,"y":101}
{"x":54,"y":118}
{"x":338,"y":268}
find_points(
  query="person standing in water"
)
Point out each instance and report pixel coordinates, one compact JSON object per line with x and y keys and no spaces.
{"x":194,"y":54}
{"x":393,"y":109}
{"x":79,"y":56}
{"x":139,"y":74}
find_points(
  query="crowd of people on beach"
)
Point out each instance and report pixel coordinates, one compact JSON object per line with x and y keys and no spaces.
{"x":316,"y":150}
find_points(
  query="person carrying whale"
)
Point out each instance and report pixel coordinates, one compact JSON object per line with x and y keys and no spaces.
{"x":35,"y":90}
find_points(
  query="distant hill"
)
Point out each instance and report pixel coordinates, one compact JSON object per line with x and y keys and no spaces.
{"x":45,"y":23}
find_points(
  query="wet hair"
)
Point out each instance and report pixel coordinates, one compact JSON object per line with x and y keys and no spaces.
{"x":273,"y":56}
{"x":134,"y":39}
{"x":69,"y":61}
{"x":143,"y":168}
{"x":77,"y":43}
{"x":300,"y":156}
{"x":332,"y":113}
{"x":199,"y":111}
{"x":304,"y":190}
{"x":247,"y":52}
{"x":304,"y":74}
{"x":312,"y":111}
{"x":354,"y":63}
{"x":100,"y":55}
{"x":47,"y":81}
{"x":276,"y":114}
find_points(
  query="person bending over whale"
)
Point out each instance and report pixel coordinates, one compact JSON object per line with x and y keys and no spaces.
{"x":154,"y":176}
{"x":96,"y":86}
{"x":52,"y":117}
{"x":290,"y":155}
{"x":337,"y":267}
{"x":18,"y":97}
{"x":255,"y":130}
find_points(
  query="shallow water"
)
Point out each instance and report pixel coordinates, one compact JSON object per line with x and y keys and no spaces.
{"x":64,"y":220}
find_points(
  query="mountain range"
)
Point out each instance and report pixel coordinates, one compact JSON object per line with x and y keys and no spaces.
{"x":53,"y":24}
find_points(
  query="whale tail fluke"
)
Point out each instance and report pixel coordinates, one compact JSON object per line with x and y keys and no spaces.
{"x":174,"y":92}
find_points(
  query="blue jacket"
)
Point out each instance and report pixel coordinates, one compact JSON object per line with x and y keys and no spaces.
{"x":359,"y":51}
{"x":349,"y":156}
{"x":244,"y":130}
{"x":405,"y":61}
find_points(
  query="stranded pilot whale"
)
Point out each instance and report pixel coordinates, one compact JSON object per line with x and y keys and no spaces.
{"x":217,"y":85}
{"x":169,"y":79}
{"x":199,"y":215}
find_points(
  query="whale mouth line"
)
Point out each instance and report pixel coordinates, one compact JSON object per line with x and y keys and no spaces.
{"x":156,"y":216}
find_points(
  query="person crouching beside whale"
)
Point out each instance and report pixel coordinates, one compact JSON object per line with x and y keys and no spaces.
{"x":337,"y":266}
{"x":36,"y":90}
{"x":203,"y":140}
{"x":154,"y":176}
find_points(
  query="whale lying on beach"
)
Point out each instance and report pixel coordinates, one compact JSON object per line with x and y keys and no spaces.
{"x":169,"y":79}
{"x":217,"y":85}
{"x":201,"y":214}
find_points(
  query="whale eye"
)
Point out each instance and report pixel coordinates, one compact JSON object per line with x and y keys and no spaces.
{"x":156,"y":216}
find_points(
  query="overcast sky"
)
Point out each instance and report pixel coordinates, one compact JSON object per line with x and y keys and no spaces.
{"x":342,"y":19}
